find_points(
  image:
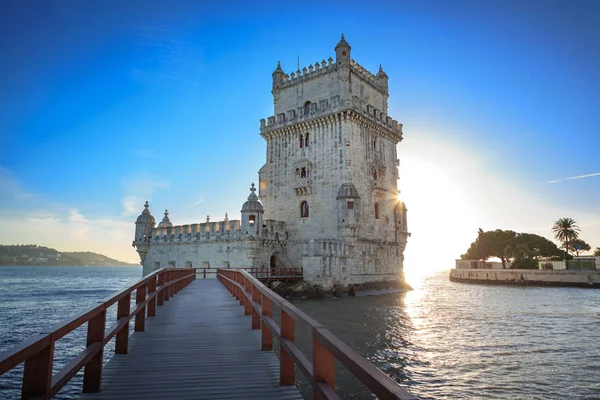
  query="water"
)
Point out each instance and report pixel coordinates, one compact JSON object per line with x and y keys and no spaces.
{"x":448,"y":340}
{"x":443,"y":340}
{"x":32,"y":299}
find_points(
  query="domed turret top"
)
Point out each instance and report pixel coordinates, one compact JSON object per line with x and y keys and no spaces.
{"x":278,"y":69}
{"x":166,"y":223}
{"x":343,"y":43}
{"x":252,"y":204}
{"x":347,"y":191}
{"x":145,"y":216}
{"x":381,"y":74}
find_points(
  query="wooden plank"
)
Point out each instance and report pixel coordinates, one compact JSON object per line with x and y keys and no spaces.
{"x":199,"y":346}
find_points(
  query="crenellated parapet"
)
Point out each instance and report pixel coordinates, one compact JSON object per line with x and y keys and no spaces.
{"x":305,"y":74}
{"x":329,"y":107}
{"x":226,"y":230}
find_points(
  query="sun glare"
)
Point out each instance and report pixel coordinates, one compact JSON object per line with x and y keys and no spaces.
{"x":440,"y":218}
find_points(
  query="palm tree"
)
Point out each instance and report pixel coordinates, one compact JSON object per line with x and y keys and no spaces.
{"x":566,"y":230}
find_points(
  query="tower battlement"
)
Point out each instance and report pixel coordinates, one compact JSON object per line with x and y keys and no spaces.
{"x":329,"y":107}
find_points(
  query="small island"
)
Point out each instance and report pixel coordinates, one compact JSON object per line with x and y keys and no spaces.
{"x":31,"y":254}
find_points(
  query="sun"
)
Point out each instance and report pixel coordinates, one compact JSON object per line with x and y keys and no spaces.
{"x":441,"y":219}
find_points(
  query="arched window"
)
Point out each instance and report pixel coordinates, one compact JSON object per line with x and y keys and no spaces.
{"x":376,"y":210}
{"x":301,"y":141}
{"x":304,"y":209}
{"x":375,"y":175}
{"x":306,"y":108}
{"x":252,"y":219}
{"x":306,"y":140}
{"x":303,"y":173}
{"x":350,"y":205}
{"x":374,"y":144}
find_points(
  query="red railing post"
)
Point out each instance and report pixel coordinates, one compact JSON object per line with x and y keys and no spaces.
{"x":140,"y":317}
{"x":37,"y":374}
{"x":167,"y":286}
{"x":160,"y":296}
{"x":152,"y":303}
{"x":286,"y":362}
{"x":92,"y":372}
{"x":255,"y":298}
{"x":247,"y":303}
{"x":267,"y":335}
{"x":122,"y":339}
{"x":323,"y":366}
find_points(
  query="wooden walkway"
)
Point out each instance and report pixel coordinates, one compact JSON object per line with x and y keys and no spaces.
{"x":202,"y":348}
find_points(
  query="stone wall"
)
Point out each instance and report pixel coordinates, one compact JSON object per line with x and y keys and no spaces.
{"x":578,"y":278}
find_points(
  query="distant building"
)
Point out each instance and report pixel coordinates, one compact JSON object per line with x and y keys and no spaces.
{"x":328,"y":190}
{"x":477,"y":264}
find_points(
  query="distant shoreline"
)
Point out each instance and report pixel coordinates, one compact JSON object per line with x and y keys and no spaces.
{"x":80,"y":266}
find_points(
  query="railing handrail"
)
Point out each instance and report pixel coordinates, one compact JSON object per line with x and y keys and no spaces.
{"x":258,"y":301}
{"x":38,"y":352}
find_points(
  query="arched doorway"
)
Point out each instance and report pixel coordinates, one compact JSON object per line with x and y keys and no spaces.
{"x":273,"y":264}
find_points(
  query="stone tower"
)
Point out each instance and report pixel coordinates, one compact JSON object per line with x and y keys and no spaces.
{"x":331,"y":171}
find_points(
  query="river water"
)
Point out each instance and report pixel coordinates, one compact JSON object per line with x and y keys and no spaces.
{"x":443,"y":340}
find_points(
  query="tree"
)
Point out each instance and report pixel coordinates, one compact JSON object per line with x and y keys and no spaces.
{"x":566,"y":230}
{"x":522,"y":250}
{"x":597,"y":252}
{"x":578,"y":245}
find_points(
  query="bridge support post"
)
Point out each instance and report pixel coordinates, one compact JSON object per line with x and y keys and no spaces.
{"x":37,"y":375}
{"x":92,"y":372}
{"x":323,"y":366}
{"x":267,"y":335}
{"x":140,"y":318}
{"x":247,"y":303}
{"x":160,"y":296}
{"x":255,"y":298}
{"x":122,"y":340}
{"x":286,"y":362}
{"x":152,"y":303}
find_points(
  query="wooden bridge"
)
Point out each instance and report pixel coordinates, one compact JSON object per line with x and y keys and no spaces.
{"x":202,"y":345}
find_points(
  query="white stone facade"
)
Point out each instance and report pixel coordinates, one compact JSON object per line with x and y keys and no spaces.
{"x":328,"y":187}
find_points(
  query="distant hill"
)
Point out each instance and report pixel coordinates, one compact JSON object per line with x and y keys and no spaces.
{"x":31,"y":254}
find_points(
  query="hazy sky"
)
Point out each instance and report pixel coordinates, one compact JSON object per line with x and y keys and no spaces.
{"x":104,"y":105}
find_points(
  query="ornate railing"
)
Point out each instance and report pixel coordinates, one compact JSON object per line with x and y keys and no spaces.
{"x":258,"y":301}
{"x":37,"y":353}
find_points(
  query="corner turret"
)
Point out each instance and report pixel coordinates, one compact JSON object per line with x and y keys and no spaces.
{"x":278,"y":77}
{"x":342,"y":51}
{"x":143,"y":231}
{"x":252,"y":214}
{"x":382,"y":79}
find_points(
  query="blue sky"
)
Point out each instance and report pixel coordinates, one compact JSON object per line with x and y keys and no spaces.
{"x":104,"y":105}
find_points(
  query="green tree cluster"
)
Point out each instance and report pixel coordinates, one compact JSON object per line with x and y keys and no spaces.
{"x":519,"y":250}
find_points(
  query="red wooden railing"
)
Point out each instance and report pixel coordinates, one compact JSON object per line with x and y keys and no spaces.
{"x":276,"y":274}
{"x":263,"y":274}
{"x":258,"y":301}
{"x":38,"y":352}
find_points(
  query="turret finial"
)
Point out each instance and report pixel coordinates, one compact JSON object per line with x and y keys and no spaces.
{"x":166,"y":213}
{"x":146,"y":205}
{"x":207,"y":219}
{"x":252,"y":188}
{"x":342,"y":35}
